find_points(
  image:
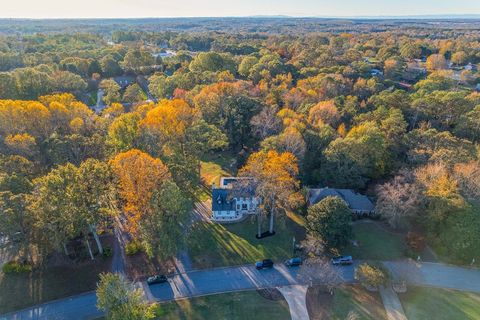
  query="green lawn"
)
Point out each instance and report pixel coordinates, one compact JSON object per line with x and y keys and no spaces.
{"x":347,"y":302}
{"x":212,"y":168}
{"x":19,"y":291}
{"x":440,"y":304}
{"x":231,"y":306}
{"x":215,"y":245}
{"x":375,"y":243}
{"x":359,"y":301}
{"x":215,"y":166}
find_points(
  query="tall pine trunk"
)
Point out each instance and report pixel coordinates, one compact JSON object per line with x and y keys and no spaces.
{"x":93,"y":229}
{"x":89,"y":248}
{"x":65,"y":249}
{"x":259,"y":220}
{"x":272,"y":215}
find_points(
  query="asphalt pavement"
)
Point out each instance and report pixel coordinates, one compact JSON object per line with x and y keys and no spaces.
{"x":238,"y":278}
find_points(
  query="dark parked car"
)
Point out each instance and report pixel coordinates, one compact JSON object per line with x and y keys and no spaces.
{"x":342,"y":260}
{"x":157,"y":279}
{"x":293,"y":262}
{"x":264,"y":264}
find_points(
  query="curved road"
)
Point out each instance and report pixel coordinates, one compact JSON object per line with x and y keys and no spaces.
{"x":204,"y":282}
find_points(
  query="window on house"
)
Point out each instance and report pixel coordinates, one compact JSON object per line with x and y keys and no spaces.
{"x":238,"y":207}
{"x":244,"y":206}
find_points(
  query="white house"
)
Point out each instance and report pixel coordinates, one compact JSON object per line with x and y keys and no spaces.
{"x":232,"y":201}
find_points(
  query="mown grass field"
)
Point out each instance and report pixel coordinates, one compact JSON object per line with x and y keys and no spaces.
{"x":440,"y":304}
{"x":375,"y":243}
{"x":215,"y":245}
{"x":231,"y":306}
{"x":348,"y":302}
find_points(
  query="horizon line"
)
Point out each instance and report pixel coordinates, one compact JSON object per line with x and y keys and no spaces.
{"x":372,"y":17}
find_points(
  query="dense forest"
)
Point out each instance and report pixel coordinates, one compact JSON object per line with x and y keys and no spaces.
{"x":390,"y":109}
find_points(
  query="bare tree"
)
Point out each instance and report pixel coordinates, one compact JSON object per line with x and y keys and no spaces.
{"x":290,"y":140}
{"x":266,"y":123}
{"x":313,"y":246}
{"x":468,"y":177}
{"x":398,"y":199}
{"x":318,"y":270}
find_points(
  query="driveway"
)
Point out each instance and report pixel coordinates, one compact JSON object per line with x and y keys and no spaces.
{"x":204,"y":282}
{"x":393,"y":306}
{"x":296,"y":297}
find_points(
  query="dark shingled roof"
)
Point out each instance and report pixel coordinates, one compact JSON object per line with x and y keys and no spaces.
{"x":221,"y":201}
{"x":354,"y":200}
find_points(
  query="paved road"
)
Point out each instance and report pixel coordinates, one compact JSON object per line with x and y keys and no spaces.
{"x":239,"y":278}
{"x":196,"y":283}
{"x":296,"y":297}
{"x":78,"y":307}
{"x":438,"y":275}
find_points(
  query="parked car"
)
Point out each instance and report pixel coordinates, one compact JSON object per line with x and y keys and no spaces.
{"x":342,"y":260}
{"x":157,"y":279}
{"x":293,"y":262}
{"x":264,"y":264}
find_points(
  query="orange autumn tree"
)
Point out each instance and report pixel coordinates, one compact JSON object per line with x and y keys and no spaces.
{"x":139,"y":176}
{"x":274,"y":181}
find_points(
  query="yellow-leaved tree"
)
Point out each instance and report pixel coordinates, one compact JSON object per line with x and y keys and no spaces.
{"x":274,"y":181}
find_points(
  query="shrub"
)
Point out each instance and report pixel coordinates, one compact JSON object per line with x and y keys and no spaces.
{"x":370,"y":275}
{"x":107,"y":252}
{"x":415,"y":241}
{"x":132,"y":248}
{"x":16,"y":267}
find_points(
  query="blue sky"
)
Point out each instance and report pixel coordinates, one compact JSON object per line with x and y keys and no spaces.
{"x":211,"y":8}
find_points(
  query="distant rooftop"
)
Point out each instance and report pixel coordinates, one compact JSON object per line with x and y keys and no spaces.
{"x":355,"y":201}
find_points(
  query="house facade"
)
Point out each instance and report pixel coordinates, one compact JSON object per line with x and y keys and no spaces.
{"x":231,"y":202}
{"x":124,"y":81}
{"x":359,"y":204}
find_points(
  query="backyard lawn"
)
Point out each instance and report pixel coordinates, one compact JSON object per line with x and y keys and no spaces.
{"x":440,"y":304}
{"x":348,"y":302}
{"x":240,"y":305}
{"x":375,"y":243}
{"x":212,"y":168}
{"x":215,"y":245}
{"x":215,"y":166}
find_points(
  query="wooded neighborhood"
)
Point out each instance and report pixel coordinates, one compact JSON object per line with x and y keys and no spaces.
{"x":136,"y":152}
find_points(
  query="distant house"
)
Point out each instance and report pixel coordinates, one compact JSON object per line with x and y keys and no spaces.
{"x":470,"y":67}
{"x":232,"y":201}
{"x":124,"y":81}
{"x":416,"y":67}
{"x":376,"y":72}
{"x":165,"y":54}
{"x":359,"y":204}
{"x":404,"y":85}
{"x":477,"y":88}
